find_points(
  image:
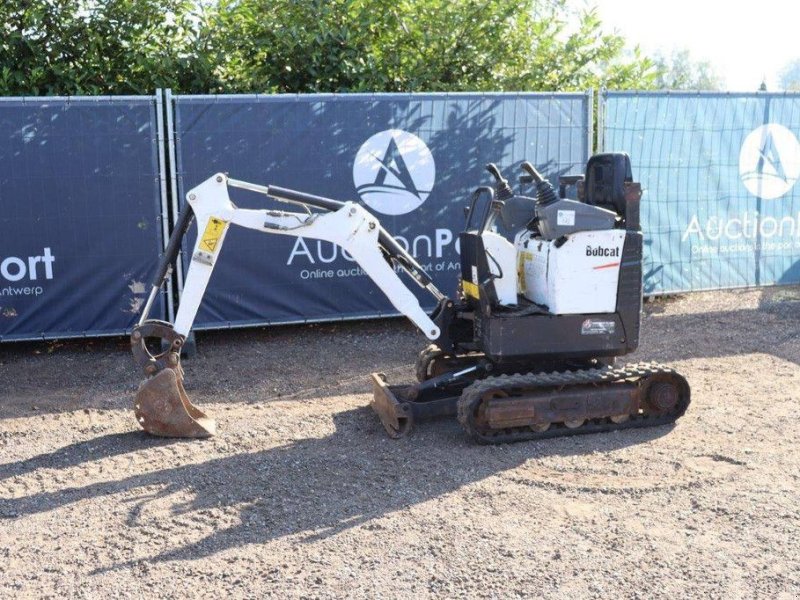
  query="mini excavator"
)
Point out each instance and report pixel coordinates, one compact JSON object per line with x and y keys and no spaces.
{"x":550,"y":295}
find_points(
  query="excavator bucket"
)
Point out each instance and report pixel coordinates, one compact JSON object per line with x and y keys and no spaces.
{"x":162,"y":408}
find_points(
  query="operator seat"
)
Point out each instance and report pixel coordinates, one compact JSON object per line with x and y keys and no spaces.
{"x":606,"y":175}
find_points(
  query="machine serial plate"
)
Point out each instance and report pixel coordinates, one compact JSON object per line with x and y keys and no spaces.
{"x":597,"y":327}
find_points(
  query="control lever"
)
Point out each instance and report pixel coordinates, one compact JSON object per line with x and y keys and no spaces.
{"x":503,"y":191}
{"x":545,"y":194}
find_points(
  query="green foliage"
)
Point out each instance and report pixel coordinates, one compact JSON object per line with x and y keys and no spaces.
{"x":197,"y":46}
{"x":418,"y":45}
{"x":679,"y":71}
{"x":100,"y":47}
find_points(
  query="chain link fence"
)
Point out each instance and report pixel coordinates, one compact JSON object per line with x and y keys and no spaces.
{"x":721,"y":207}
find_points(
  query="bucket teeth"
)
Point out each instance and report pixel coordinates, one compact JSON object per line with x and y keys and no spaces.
{"x":162,"y":408}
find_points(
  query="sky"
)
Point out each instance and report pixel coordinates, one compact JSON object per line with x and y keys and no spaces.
{"x":745,"y":41}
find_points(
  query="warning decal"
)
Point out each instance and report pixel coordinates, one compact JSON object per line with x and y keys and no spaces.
{"x":212,"y":235}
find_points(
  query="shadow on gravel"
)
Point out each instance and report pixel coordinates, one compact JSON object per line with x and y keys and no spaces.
{"x":769,"y":329}
{"x":316,"y":487}
{"x":79,"y":453}
{"x":718,"y":334}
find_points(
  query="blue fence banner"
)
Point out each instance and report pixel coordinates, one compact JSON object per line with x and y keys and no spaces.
{"x":80,"y":214}
{"x":411,"y":159}
{"x":722,"y":206}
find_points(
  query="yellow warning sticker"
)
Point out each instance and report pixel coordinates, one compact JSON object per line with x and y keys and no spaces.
{"x":212,"y":235}
{"x":470,"y":289}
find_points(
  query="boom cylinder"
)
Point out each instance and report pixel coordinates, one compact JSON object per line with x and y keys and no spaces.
{"x":282,"y":193}
{"x":185,"y":218}
{"x":394,"y":249}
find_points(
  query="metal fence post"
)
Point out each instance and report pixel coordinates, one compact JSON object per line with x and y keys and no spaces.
{"x":601,"y":105}
{"x":162,"y":177}
{"x":589,"y":123}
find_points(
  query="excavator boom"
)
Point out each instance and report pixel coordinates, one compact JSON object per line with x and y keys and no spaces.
{"x":162,"y":406}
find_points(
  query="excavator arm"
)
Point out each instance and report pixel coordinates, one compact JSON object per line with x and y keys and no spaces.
{"x":162,"y":406}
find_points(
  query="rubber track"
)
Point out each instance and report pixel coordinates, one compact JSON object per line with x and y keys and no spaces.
{"x":472,"y":395}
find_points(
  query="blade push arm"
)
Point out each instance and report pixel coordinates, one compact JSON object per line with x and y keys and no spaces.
{"x":346,"y":224}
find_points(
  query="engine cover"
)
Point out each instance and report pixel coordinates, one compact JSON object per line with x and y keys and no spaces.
{"x":574,"y":274}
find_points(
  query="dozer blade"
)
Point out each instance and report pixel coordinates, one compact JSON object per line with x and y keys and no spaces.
{"x":163,"y":408}
{"x":396,"y":417}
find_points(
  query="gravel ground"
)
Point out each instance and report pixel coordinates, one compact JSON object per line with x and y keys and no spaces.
{"x":303,"y":495}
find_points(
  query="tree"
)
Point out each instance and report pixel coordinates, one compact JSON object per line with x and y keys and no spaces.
{"x":790,"y":76}
{"x":417,"y":45}
{"x":197,"y":46}
{"x":679,"y":71}
{"x":100,"y":47}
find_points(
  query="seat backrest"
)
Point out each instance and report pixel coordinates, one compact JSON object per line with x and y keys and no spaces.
{"x":605,"y":178}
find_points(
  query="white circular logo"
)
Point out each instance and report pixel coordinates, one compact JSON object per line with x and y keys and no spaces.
{"x":769,"y":161}
{"x":394,"y":172}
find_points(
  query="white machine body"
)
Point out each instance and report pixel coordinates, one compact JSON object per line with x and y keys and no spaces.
{"x":502,"y":259}
{"x":575,"y":276}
